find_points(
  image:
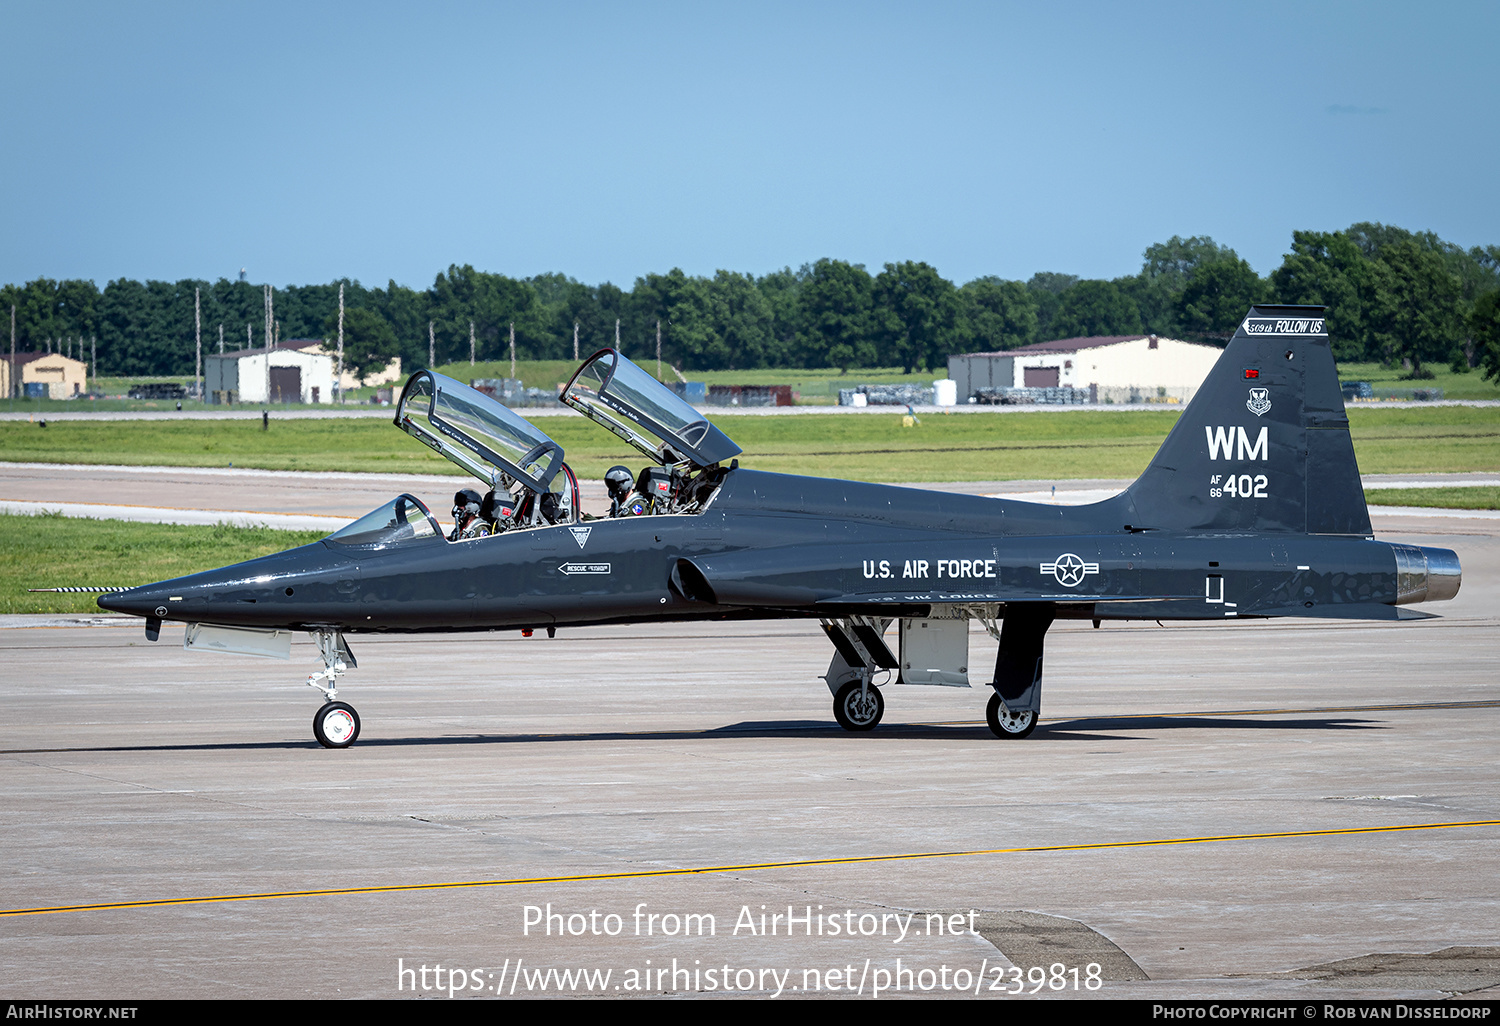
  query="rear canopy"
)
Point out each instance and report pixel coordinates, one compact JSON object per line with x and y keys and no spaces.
{"x":612,"y":391}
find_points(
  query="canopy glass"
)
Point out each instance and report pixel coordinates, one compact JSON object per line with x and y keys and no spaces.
{"x":611,"y":390}
{"x":483,"y":437}
{"x":403,"y":519}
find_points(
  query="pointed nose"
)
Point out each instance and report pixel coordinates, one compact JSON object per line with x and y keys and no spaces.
{"x":283,"y":589}
{"x":149,"y":601}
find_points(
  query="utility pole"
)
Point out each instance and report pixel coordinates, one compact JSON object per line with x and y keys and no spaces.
{"x":338,"y":382}
{"x":198,"y":341}
{"x":249,"y":336}
{"x":10,"y":376}
{"x":94,"y":360}
{"x":471,"y":343}
{"x":268,"y":337}
{"x":575,"y":341}
{"x":431,"y":348}
{"x":512,"y":350}
{"x":658,"y":349}
{"x":617,"y":333}
{"x":221,"y":338}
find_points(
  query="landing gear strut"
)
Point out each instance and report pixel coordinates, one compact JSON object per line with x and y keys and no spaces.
{"x":336,"y":724}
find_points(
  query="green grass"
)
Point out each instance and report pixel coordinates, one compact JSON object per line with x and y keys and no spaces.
{"x":1455,"y":386}
{"x":952,"y":447}
{"x":48,"y":551}
{"x":870,"y":447}
{"x":1442,"y":498}
{"x":1433,"y":440}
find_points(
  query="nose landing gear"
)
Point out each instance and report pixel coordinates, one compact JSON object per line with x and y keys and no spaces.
{"x":336,"y":724}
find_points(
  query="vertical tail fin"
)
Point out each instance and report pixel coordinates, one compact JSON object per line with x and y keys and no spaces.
{"x":1264,"y":445}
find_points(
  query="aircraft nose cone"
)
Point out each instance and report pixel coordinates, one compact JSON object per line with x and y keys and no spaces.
{"x":231,"y":594}
{"x":306,"y":584}
{"x":158,"y":601}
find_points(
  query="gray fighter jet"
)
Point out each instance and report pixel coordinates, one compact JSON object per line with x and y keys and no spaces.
{"x":1252,"y":508}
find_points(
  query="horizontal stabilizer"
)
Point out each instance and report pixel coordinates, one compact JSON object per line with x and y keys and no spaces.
{"x":1347,"y":611}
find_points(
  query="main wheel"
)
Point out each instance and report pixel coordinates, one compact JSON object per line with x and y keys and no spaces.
{"x":336,"y":725}
{"x":1007,"y":724}
{"x":855,"y":711}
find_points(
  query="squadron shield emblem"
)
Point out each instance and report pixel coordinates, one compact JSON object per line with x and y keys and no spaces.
{"x":1259,"y":401}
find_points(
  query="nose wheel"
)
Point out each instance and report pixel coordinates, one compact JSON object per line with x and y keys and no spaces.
{"x":336,"y":725}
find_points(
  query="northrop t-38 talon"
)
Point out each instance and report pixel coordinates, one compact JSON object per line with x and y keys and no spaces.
{"x":1252,"y":508}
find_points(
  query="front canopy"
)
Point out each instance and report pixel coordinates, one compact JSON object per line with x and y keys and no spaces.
{"x":614,"y":392}
{"x":483,"y":437}
{"x":403,"y":519}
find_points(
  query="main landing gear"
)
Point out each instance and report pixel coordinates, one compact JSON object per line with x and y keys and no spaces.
{"x":336,"y":724}
{"x":1017,"y":702}
{"x":859,"y":654}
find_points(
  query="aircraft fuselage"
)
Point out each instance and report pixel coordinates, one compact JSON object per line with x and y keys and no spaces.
{"x":775,"y":546}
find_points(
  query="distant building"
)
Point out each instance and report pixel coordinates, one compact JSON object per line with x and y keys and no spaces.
{"x":1115,"y":368}
{"x":391,"y":373}
{"x":60,"y":377}
{"x":277,"y":375}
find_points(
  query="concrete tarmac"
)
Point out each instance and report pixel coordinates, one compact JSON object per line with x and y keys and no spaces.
{"x":1288,"y":810}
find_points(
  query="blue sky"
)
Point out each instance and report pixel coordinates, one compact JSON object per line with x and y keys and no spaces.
{"x":307,"y":141}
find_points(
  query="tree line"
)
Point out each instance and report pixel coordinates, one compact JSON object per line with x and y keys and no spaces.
{"x":1393,"y":296}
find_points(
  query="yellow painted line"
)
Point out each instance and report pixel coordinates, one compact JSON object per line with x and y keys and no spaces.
{"x":1395,"y":707}
{"x":740,"y":868}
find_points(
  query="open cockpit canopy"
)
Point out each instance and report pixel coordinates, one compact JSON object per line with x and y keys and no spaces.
{"x":483,"y":437}
{"x":611,"y":390}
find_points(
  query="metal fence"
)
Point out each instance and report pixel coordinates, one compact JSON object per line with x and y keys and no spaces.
{"x":1363,"y":391}
{"x":888,"y":395}
{"x":700,"y":394}
{"x":511,"y":392}
{"x":1058,"y":396}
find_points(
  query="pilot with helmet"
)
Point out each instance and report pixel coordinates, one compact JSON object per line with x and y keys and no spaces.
{"x":467,"y":522}
{"x":619,"y":482}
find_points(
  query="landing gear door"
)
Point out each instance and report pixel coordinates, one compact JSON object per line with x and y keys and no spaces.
{"x":935,"y":652}
{"x":483,"y":437}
